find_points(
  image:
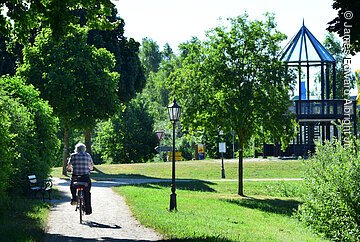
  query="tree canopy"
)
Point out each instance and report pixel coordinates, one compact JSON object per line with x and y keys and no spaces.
{"x":346,"y":24}
{"x":24,"y":18}
{"x":234,"y":81}
{"x":76,"y":78}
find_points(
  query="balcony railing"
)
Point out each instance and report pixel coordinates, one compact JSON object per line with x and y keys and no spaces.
{"x":321,"y":109}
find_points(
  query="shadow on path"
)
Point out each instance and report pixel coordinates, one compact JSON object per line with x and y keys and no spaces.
{"x":64,"y":238}
{"x":102,"y":226}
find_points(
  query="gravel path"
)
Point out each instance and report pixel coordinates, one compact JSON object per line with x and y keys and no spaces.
{"x":111,"y":219}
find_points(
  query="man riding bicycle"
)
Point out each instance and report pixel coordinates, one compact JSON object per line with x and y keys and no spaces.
{"x":81,"y":164}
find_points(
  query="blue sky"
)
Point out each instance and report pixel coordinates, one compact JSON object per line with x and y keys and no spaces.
{"x":176,"y":21}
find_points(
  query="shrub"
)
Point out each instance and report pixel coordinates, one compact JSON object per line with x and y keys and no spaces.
{"x":31,"y":132}
{"x":332,"y":201}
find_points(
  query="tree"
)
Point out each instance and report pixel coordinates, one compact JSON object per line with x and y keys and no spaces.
{"x":28,"y":17}
{"x":234,"y":81}
{"x":347,"y":22}
{"x":333,"y":45}
{"x":10,"y":55}
{"x":74,"y":77}
{"x":128,"y":136}
{"x":150,"y":56}
{"x":126,"y":51}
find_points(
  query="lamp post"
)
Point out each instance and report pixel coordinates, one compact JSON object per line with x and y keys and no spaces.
{"x":174,"y":114}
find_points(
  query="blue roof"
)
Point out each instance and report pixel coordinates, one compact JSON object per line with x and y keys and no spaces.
{"x":304,"y":47}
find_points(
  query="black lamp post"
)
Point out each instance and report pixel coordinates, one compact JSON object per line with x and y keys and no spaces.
{"x":174,"y":114}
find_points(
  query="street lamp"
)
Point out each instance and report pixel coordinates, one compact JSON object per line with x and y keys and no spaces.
{"x":174,"y":114}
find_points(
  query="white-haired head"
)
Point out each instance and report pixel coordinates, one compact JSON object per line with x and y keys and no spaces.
{"x":80,"y":147}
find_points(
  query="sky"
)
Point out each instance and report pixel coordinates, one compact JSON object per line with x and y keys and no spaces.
{"x":176,"y":21}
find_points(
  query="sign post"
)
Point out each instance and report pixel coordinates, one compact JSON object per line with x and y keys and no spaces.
{"x":222,"y":150}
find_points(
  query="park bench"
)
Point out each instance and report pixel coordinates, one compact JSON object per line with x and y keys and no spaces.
{"x":43,"y":186}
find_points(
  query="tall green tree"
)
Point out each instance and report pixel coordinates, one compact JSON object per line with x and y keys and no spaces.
{"x":150,"y":55}
{"x":235,"y":81}
{"x":346,"y":24}
{"x":126,"y":52}
{"x":128,"y":136}
{"x":27,"y":17}
{"x":76,"y":79}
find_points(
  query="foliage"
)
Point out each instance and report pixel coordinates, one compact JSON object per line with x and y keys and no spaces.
{"x":334,"y":46}
{"x":25,"y":18}
{"x":28,"y":134}
{"x":75,"y":70}
{"x":150,"y":56}
{"x":127,"y":137}
{"x":345,"y":25}
{"x":332,"y":201}
{"x":10,"y":55}
{"x":234,"y":81}
{"x":126,"y":53}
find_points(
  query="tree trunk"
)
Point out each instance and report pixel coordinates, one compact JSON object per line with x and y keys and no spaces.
{"x":87,"y":137}
{"x":65,"y":150}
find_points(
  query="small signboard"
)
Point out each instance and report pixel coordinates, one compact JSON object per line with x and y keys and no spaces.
{"x":222,"y":147}
{"x":159,"y":134}
{"x":200,"y":152}
{"x":178,"y":156}
{"x":163,"y":148}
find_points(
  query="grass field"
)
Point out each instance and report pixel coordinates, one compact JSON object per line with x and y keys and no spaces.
{"x":210,"y":211}
{"x":205,"y":169}
{"x":209,"y":208}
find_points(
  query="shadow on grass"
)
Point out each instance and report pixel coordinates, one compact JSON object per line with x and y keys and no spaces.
{"x":277,"y":206}
{"x":188,"y":185}
{"x":154,"y":182}
{"x":20,"y":218}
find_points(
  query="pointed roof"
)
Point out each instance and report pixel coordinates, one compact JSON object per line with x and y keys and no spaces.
{"x":304,"y":47}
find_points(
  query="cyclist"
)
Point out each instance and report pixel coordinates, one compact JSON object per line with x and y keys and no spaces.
{"x":81,"y":163}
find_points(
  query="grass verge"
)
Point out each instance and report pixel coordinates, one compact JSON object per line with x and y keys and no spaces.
{"x":22,"y":219}
{"x":207,"y":211}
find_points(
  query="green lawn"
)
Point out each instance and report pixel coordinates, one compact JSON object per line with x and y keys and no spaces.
{"x":205,"y":169}
{"x":210,"y":211}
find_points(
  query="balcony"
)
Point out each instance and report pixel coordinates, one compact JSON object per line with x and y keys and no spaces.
{"x":321,"y":110}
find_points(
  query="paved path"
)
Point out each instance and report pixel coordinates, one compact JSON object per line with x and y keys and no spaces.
{"x":111,"y":219}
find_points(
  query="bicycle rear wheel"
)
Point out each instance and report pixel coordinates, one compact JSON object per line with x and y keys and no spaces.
{"x":80,"y":210}
{"x":81,"y":205}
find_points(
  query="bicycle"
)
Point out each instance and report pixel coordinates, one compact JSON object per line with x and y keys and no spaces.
{"x":80,"y":205}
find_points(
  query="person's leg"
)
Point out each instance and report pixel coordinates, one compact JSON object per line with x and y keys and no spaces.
{"x":73,"y":192}
{"x":87,"y":197}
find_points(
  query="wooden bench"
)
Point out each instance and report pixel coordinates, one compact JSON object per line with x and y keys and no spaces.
{"x":36,"y":186}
